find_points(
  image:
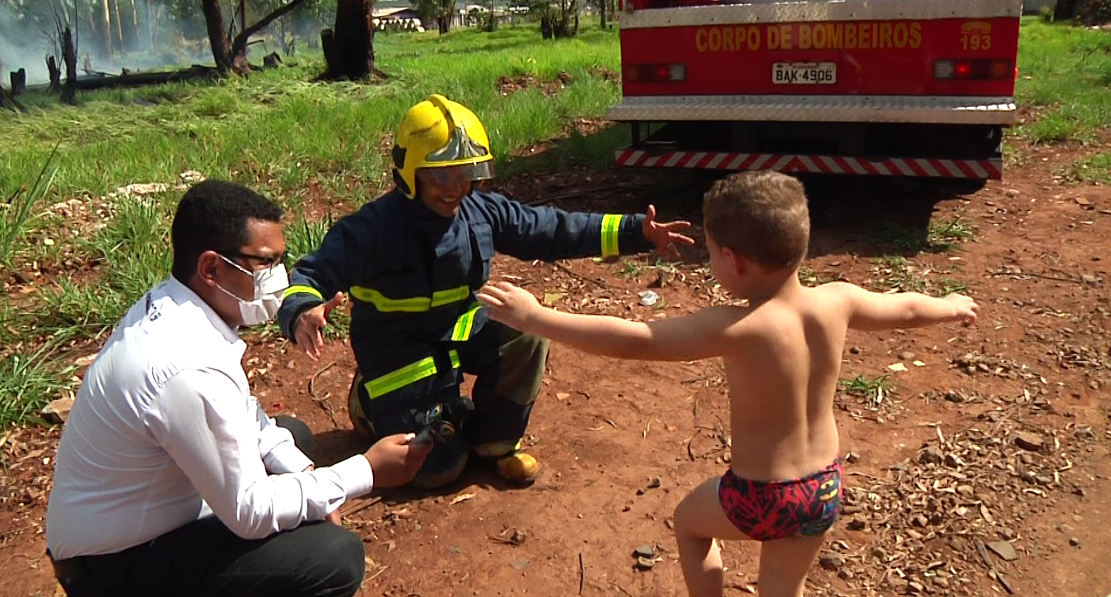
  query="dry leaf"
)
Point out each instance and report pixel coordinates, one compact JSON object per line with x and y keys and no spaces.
{"x":562,"y":396}
{"x":551,"y":298}
{"x":919,"y":364}
{"x":897,"y":367}
{"x":461,"y":498}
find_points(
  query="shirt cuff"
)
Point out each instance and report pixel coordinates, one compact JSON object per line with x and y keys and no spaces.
{"x":355,"y":475}
{"x":287,"y":458}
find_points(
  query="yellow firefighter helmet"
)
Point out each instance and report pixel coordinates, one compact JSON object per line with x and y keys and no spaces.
{"x":440,"y":133}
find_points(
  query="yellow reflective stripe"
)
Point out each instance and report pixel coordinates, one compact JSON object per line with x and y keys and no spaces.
{"x":452,"y":295}
{"x":611,"y":224}
{"x":417,"y":304}
{"x":386,"y":305}
{"x":406,"y":375}
{"x":464,"y":324}
{"x":301,"y":290}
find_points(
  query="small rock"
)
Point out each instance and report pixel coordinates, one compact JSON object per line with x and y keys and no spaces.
{"x":1080,"y":491}
{"x":644,"y":551}
{"x":915,"y":587}
{"x":1083,"y":201}
{"x":58,"y":410}
{"x":1004,"y":549}
{"x":1006,"y":533}
{"x":1029,"y":441}
{"x":856,"y":524}
{"x":913,"y":534}
{"x":855,"y":350}
{"x":644,"y":564}
{"x":854,"y":458}
{"x":879,"y":553}
{"x":1093,"y":384}
{"x":1074,"y":541}
{"x":941,"y":582}
{"x":845,"y":574}
{"x":954,"y":396}
{"x":1044,"y":480}
{"x":931,"y":455}
{"x":920,"y":520}
{"x":965,"y":490}
{"x":520,"y":564}
{"x":952,"y":461}
{"x":831,"y":562}
{"x":906,"y":356}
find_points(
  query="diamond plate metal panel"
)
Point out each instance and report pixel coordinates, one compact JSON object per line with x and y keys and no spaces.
{"x":902,"y":109}
{"x":820,"y":10}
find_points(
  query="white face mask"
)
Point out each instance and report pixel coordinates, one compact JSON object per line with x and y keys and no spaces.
{"x":269,"y":286}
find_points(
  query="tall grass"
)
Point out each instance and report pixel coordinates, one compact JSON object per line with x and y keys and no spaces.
{"x":279,"y":130}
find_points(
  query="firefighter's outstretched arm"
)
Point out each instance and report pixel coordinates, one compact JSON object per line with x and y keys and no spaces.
{"x":548,"y":233}
{"x":319,"y":279}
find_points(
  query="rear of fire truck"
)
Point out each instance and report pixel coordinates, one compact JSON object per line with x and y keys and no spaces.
{"x":867,"y":87}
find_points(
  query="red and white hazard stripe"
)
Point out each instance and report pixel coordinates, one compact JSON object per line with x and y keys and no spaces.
{"x":813,"y":164}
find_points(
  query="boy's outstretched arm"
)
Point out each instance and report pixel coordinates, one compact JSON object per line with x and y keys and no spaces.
{"x":699,"y":336}
{"x":871,"y":311}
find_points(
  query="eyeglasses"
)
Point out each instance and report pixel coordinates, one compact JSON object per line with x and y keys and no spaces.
{"x":267,"y":262}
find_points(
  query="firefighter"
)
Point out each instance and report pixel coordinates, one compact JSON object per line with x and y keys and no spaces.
{"x":411,"y":262}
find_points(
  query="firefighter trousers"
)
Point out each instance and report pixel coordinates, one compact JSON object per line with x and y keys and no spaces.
{"x":508,"y":367}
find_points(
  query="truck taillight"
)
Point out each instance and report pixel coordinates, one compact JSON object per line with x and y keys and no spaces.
{"x":973,"y":70}
{"x":654,"y":73}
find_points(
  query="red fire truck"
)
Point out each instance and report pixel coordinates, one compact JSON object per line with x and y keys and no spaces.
{"x":867,"y":87}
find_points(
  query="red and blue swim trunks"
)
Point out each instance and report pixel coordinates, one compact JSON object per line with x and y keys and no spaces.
{"x":770,"y":510}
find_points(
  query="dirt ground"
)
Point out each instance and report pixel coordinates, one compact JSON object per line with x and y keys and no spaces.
{"x":980,"y":469}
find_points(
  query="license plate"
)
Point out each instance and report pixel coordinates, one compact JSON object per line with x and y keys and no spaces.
{"x":804,"y":73}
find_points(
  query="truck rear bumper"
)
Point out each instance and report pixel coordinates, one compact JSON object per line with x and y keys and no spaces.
{"x":998,"y":111}
{"x":990,"y":168}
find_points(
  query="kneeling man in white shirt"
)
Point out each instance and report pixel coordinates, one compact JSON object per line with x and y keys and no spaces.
{"x":170,"y":479}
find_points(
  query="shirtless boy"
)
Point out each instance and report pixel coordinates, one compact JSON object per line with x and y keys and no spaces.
{"x":782,"y":354}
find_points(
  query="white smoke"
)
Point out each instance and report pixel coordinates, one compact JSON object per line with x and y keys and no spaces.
{"x":22,"y":48}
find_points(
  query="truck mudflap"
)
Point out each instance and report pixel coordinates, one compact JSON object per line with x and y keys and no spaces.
{"x":998,"y":111}
{"x":990,"y":168}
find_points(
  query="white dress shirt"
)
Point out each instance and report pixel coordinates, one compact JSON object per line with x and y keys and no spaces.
{"x":165,"y":431}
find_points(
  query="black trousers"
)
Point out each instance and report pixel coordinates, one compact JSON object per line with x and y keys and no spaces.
{"x":204,"y":558}
{"x":508,"y":367}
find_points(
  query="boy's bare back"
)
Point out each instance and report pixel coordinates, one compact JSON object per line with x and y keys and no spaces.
{"x":783,"y":362}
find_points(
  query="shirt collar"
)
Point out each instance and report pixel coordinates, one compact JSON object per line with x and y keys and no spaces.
{"x":182,"y":295}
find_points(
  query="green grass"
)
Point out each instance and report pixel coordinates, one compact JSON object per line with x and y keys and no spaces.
{"x":940,"y":237}
{"x":278,"y":130}
{"x":873,"y":390}
{"x":1064,"y":71}
{"x":897,"y":273}
{"x":1096,"y":168}
{"x":28,"y":381}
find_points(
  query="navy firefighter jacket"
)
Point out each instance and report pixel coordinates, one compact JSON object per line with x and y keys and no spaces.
{"x":411,"y":275}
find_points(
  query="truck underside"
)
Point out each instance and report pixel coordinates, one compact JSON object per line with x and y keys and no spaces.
{"x":869,"y":87}
{"x":886,"y":149}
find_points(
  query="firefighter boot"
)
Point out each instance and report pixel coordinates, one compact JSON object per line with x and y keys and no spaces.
{"x":513,"y":465}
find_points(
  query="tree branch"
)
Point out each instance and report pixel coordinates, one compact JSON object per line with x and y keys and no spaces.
{"x":245,"y":35}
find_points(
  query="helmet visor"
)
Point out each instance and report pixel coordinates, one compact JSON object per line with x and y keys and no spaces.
{"x":454,"y":175}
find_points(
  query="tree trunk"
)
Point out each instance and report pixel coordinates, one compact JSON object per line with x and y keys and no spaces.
{"x":119,"y":27}
{"x":136,"y":36}
{"x":107,"y":28}
{"x":349,"y":46}
{"x":150,"y":27}
{"x":69,"y":56}
{"x":221,"y":45}
{"x":55,"y":75}
{"x":19,"y":81}
{"x":447,"y":13}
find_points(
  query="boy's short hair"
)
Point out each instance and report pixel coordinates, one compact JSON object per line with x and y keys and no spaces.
{"x":761,"y":215}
